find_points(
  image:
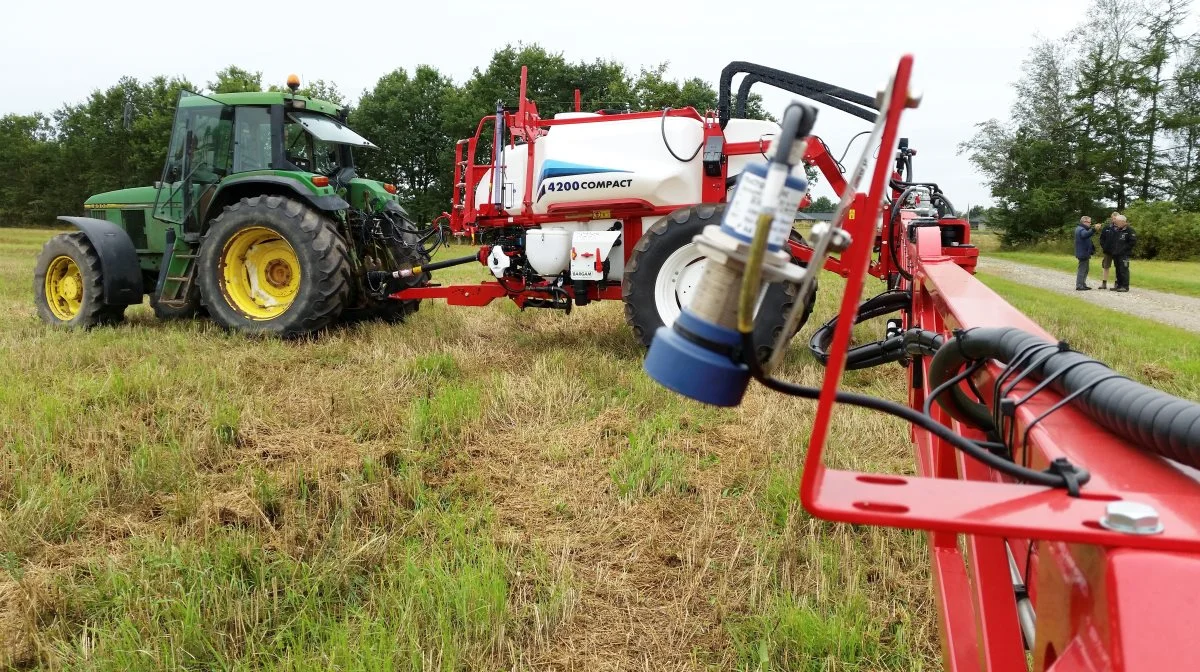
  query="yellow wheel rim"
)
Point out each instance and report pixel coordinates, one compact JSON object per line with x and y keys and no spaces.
{"x":260,"y":273}
{"x":64,"y":288}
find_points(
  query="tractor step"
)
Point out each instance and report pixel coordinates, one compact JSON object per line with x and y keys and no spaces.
{"x":173,"y":303}
{"x":177,"y":271}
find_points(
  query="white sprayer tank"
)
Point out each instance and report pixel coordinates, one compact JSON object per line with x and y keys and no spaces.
{"x":616,"y":159}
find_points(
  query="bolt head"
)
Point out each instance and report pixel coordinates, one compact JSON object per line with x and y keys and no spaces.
{"x":1131,"y":518}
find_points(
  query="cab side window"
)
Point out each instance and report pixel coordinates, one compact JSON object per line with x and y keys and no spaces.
{"x":210,"y":157}
{"x":251,"y":139}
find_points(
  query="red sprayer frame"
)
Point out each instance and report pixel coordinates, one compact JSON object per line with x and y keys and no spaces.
{"x":1103,"y":600}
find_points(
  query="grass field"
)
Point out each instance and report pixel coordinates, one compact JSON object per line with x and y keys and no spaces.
{"x":473,"y":489}
{"x":1149,"y":352}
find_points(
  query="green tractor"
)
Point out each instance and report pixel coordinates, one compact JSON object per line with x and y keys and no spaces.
{"x":260,"y":220}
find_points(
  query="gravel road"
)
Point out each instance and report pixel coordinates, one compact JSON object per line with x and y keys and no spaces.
{"x":1172,"y":309}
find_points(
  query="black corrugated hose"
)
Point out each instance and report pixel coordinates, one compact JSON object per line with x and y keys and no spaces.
{"x":891,"y":349}
{"x":1147,"y":418}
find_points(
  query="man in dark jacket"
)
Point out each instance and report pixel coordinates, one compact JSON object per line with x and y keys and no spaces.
{"x":1123,"y":242}
{"x":1106,"y":237}
{"x":1084,"y":249}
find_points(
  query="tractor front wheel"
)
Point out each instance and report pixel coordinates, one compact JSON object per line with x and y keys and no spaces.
{"x":665,"y":268}
{"x":271,"y":264}
{"x":68,"y":284}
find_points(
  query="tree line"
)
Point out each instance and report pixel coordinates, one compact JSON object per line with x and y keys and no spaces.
{"x":118,"y":136}
{"x":1106,"y":118}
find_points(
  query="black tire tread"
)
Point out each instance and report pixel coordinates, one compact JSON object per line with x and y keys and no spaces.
{"x":633,"y":274}
{"x":92,"y":311}
{"x":316,"y":232}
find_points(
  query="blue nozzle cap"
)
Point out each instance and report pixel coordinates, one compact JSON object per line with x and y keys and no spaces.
{"x":686,"y":367}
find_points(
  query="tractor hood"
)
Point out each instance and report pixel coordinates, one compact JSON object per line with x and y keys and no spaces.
{"x":367,"y":194}
{"x":133,"y":197}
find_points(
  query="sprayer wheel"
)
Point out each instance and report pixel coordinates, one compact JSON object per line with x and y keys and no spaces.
{"x":666,"y":265}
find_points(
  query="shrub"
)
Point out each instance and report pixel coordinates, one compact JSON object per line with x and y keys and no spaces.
{"x":1164,"y":232}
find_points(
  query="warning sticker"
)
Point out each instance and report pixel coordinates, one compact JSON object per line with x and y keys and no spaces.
{"x":741,"y":217}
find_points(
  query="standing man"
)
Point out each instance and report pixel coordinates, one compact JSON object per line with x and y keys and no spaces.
{"x":1122,"y":248}
{"x":1106,"y":238}
{"x":1084,"y":249}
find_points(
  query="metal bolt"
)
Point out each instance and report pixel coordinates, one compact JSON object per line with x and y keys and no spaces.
{"x":839,"y":239}
{"x":1131,"y":518}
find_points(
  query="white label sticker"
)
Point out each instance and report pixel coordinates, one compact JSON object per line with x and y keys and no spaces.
{"x":741,"y":217}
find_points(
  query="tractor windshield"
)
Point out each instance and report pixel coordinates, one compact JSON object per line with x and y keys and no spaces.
{"x":320,"y":144}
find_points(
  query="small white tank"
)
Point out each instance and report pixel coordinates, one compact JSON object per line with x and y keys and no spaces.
{"x":548,"y":250}
{"x":548,"y":247}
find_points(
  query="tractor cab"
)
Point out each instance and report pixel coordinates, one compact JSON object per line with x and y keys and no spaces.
{"x":223,"y":139}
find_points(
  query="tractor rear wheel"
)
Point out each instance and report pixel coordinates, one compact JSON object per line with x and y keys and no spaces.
{"x":68,"y":284}
{"x":271,"y":264}
{"x":666,"y":266}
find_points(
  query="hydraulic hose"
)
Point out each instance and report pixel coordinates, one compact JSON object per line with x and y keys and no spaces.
{"x":1147,"y":418}
{"x":892,"y":349}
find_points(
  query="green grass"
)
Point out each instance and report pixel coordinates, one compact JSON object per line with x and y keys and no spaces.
{"x":1176,"y":277}
{"x":433,"y":495}
{"x":472,"y":489}
{"x":1150,"y":352}
{"x":646,"y":467}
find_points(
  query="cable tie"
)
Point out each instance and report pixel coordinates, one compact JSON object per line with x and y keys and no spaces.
{"x":1063,"y":467}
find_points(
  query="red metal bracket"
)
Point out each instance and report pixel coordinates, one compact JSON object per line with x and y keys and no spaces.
{"x":1103,"y":600}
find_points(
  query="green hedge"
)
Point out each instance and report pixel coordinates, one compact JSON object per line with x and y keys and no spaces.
{"x":1164,"y":232}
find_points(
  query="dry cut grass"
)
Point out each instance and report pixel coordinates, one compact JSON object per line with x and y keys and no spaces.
{"x":473,"y":489}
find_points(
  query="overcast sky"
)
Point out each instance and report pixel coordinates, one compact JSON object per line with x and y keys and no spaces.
{"x":967,"y":53}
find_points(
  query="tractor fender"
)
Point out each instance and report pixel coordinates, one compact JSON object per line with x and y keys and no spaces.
{"x":120,"y":270}
{"x":291,"y":184}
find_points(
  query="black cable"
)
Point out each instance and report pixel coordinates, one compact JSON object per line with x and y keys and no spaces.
{"x":999,"y":392}
{"x":1147,"y":419}
{"x":848,"y":143}
{"x":948,"y":206}
{"x":1061,"y":402}
{"x":1073,"y":477}
{"x":869,"y":354}
{"x":663,"y":129}
{"x":937,"y":391}
{"x":828,"y":151}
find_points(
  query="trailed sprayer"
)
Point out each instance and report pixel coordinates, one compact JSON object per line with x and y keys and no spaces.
{"x":604,"y":205}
